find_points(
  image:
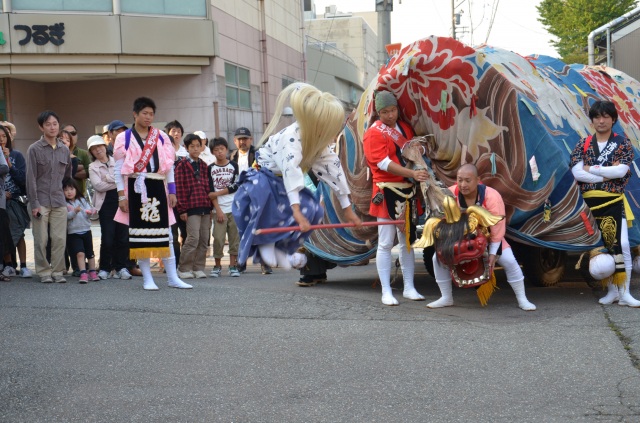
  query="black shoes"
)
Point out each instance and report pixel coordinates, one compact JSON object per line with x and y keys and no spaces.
{"x":311,"y":280}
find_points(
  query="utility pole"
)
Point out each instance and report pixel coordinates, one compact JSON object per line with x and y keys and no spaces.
{"x":384,"y":9}
{"x":453,"y":20}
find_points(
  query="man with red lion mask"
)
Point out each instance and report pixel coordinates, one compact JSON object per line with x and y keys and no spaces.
{"x":470,"y":192}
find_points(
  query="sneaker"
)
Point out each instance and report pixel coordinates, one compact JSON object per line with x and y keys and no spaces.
{"x":185,"y":275}
{"x":46,"y":279}
{"x":266,"y":269}
{"x":25,"y":272}
{"x":59,"y":278}
{"x":233,"y":272}
{"x":242,"y":267}
{"x":93,"y":276}
{"x":76,"y":274}
{"x":103,"y":274}
{"x":199,"y":274}
{"x":124,"y":274}
{"x":84,"y":277}
{"x":215,"y":272}
{"x":9,"y":271}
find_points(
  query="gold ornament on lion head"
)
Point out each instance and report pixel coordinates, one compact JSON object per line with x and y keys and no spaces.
{"x":478,"y":218}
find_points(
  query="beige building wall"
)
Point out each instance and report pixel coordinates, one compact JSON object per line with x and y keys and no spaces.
{"x":240,"y":45}
{"x":336,"y":74}
{"x":353,"y":36}
{"x":92,"y":87}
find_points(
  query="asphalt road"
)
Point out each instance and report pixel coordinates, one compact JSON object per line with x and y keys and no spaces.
{"x":259,"y":349}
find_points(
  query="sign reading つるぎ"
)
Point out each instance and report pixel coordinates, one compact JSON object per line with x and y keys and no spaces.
{"x":41,"y":34}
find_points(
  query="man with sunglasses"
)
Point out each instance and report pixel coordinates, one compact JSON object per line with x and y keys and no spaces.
{"x":83,"y":159}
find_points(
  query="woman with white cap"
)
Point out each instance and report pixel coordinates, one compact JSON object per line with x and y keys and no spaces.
{"x":114,"y":243}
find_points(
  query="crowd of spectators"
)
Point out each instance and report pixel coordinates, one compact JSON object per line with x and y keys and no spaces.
{"x":72,"y":187}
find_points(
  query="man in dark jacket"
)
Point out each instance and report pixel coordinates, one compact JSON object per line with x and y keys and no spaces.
{"x":245,"y":155}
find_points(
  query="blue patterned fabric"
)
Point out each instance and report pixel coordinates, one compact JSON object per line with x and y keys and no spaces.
{"x":261,"y":202}
{"x":516,"y":118}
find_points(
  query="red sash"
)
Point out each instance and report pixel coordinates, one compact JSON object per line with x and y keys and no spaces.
{"x":587,"y":142}
{"x":395,"y":135}
{"x":147,"y":152}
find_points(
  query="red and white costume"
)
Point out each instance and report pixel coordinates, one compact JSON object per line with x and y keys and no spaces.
{"x":381,"y":145}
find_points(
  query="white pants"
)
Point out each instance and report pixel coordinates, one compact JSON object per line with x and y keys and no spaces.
{"x":626,"y":248}
{"x":386,"y":238}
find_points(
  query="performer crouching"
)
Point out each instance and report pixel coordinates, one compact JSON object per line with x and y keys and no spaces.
{"x":144,"y":159}
{"x":276,"y":195}
{"x":470,"y":192}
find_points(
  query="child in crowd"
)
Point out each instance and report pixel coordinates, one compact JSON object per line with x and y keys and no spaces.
{"x":194,"y":208}
{"x":79,"y":238}
{"x":222,"y":178}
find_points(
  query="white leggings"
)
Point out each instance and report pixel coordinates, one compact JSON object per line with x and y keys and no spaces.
{"x":386,"y":237}
{"x":626,"y":248}
{"x":145,"y":264}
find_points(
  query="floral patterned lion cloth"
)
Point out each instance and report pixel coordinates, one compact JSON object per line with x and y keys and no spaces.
{"x":516,"y":118}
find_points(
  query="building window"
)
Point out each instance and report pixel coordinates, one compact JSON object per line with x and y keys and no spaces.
{"x":238,"y":86}
{"x":166,"y":7}
{"x":64,"y":5}
{"x":148,"y":7}
{"x":286,"y":81}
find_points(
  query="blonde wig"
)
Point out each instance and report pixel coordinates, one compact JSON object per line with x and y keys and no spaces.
{"x":320,"y":116}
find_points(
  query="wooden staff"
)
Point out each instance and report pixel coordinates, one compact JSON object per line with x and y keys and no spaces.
{"x":325,"y":226}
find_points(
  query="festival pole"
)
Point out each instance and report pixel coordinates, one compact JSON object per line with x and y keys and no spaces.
{"x":325,"y":226}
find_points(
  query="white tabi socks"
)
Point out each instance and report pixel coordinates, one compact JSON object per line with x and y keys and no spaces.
{"x":612,"y":295}
{"x":446,"y":299}
{"x":626,"y":299}
{"x":518,"y":289}
{"x":147,"y":278}
{"x":172,"y":273}
{"x":383,"y":264}
{"x":407,"y":264}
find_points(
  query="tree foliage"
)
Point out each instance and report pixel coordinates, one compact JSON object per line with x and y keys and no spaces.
{"x":571,"y":22}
